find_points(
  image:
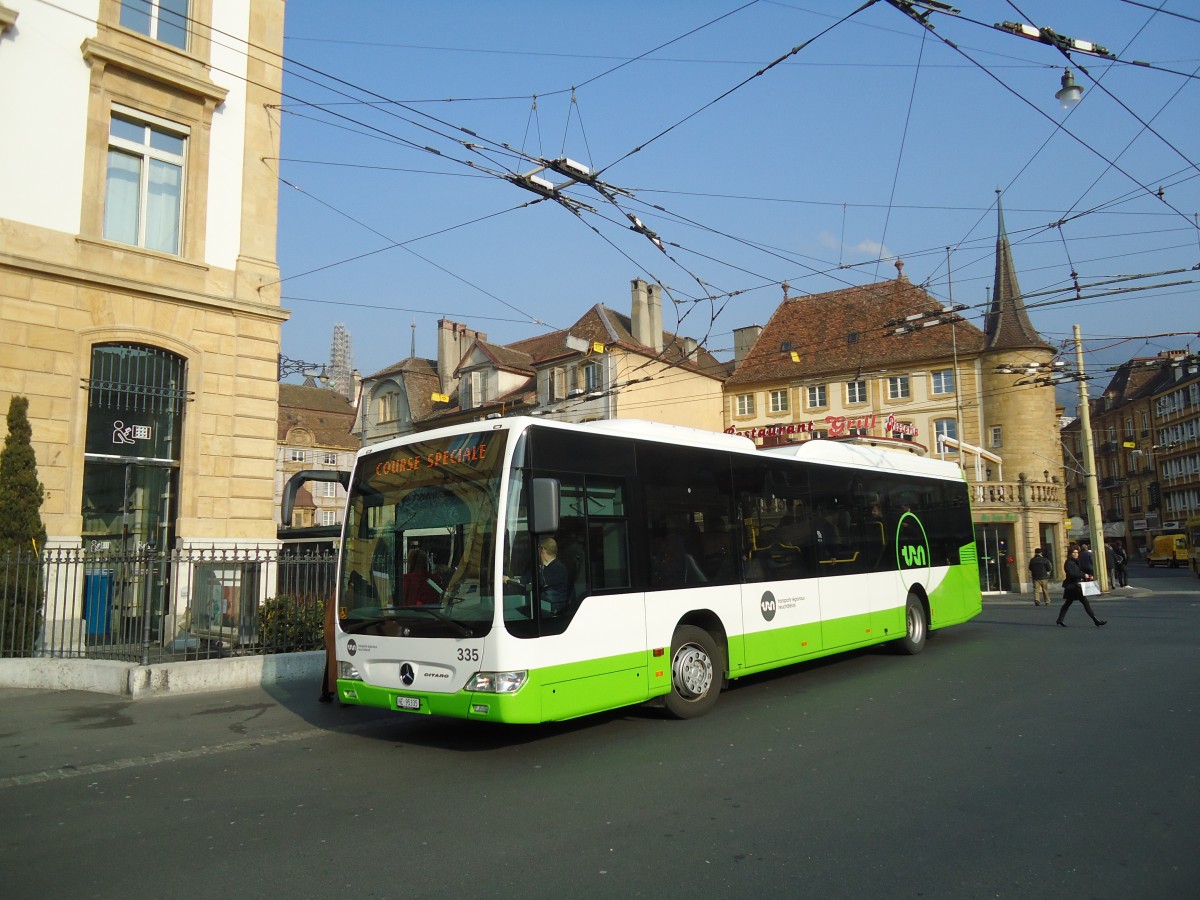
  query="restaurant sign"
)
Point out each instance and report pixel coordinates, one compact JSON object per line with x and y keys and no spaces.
{"x":836,"y":426}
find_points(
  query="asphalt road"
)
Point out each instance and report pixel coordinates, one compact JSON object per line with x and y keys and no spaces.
{"x":1011,"y":759}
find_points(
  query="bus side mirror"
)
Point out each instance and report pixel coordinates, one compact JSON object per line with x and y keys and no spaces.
{"x":543,"y":511}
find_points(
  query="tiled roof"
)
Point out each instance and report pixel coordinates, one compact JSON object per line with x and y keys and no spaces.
{"x":506,"y":358}
{"x":411,"y":365}
{"x":845,"y":331}
{"x":326,"y":413}
{"x":610,"y":327}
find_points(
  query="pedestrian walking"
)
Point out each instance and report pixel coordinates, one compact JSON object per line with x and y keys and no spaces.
{"x":1039,"y":571}
{"x":1073,"y":583}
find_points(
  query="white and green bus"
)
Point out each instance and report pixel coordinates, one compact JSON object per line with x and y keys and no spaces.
{"x":682,"y":559}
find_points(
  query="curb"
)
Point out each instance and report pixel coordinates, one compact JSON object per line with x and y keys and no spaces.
{"x":136,"y":682}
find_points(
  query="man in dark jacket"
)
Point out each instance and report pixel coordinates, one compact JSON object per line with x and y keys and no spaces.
{"x":1040,"y":570}
{"x":1085,"y":561}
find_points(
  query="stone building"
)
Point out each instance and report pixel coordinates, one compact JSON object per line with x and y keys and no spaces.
{"x":138,"y":278}
{"x":887,"y":362}
{"x":606,"y":365}
{"x":315,"y":426}
{"x":137,"y":266}
{"x":1146,"y":441}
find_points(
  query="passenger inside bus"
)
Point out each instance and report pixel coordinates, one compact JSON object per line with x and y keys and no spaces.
{"x":419,"y":587}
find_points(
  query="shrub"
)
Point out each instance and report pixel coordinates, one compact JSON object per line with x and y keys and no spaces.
{"x":286,"y":625}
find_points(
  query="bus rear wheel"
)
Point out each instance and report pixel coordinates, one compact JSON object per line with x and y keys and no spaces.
{"x":697,"y":670}
{"x":916,"y":627}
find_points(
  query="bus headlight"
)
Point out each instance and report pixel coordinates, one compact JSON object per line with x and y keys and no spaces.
{"x":497,"y":682}
{"x":347,"y":671}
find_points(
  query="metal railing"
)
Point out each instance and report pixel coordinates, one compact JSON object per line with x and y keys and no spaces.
{"x":153,"y":606}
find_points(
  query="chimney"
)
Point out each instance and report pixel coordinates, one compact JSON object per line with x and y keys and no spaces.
{"x":743,"y":340}
{"x":646,"y":315}
{"x":689,"y":348}
{"x":453,"y":340}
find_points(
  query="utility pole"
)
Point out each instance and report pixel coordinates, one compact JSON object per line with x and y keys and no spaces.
{"x":1095,"y":523}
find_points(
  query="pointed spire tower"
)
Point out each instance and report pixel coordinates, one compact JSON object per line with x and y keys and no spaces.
{"x":1020,"y":423}
{"x":1006,"y":325}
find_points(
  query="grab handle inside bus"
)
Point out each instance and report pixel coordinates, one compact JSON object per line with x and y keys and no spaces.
{"x":543,"y":511}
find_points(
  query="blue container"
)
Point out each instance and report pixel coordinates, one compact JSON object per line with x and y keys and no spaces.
{"x":97,"y":601}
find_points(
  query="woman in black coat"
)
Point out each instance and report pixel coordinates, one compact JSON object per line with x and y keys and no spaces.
{"x":1073,"y":590}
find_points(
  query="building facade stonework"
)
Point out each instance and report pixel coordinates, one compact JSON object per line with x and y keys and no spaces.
{"x":138,"y":278}
{"x":137,"y":267}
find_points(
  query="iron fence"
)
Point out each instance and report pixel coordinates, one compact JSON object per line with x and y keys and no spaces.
{"x":153,"y":606}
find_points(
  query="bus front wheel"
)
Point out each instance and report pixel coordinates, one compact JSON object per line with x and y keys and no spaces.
{"x":696,"y":673}
{"x":915,"y":626}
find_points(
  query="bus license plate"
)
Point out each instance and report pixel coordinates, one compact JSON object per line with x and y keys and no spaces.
{"x":408,"y":702}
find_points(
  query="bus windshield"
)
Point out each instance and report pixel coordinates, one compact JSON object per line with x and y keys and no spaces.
{"x":420,"y":538}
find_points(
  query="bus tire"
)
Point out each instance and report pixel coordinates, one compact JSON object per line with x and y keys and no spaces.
{"x":916,"y":627}
{"x":697,"y":670}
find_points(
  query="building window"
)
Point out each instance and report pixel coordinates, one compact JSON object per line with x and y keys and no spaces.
{"x":295,"y":455}
{"x":856,"y":392}
{"x":163,"y":20}
{"x":745,"y":404}
{"x":557,"y":383}
{"x":143,"y":190}
{"x":591,"y":377}
{"x":943,"y":381}
{"x":329,"y":489}
{"x":816,"y":396}
{"x":389,"y":406}
{"x":779,"y":401}
{"x":1129,"y":428}
{"x":997,"y":435}
{"x":898,"y":387}
{"x":471,"y":392}
{"x":328,"y":517}
{"x":945,"y":428}
{"x":330,"y":459}
{"x":136,"y":400}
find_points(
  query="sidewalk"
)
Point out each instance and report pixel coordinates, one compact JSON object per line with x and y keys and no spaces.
{"x":1012,"y":598}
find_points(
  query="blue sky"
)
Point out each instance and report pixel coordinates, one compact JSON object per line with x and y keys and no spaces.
{"x":874,"y":140}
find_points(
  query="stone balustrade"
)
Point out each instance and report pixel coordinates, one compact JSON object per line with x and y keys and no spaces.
{"x":1008,"y":495}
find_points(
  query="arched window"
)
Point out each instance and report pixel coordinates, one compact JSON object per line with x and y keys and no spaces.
{"x":132,"y":453}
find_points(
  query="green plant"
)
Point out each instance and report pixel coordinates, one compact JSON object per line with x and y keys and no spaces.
{"x":287,"y":625}
{"x":22,"y":534}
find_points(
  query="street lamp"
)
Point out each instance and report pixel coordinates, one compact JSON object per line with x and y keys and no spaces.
{"x":289,"y":366}
{"x":1070,"y":93}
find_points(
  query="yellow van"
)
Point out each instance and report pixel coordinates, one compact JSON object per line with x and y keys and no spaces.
{"x":1169,"y":550}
